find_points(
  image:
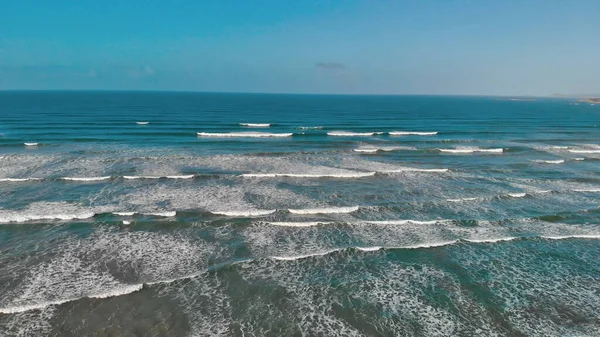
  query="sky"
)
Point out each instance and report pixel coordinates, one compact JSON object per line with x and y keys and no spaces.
{"x":450,"y":47}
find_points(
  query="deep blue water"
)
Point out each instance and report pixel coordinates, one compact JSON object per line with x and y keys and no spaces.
{"x":162,"y":214}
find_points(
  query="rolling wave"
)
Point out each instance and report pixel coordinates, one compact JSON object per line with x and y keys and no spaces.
{"x":558,"y":161}
{"x":299,"y":224}
{"x":86,"y":178}
{"x":19,"y":179}
{"x":412,"y":133}
{"x":309,"y":175}
{"x":30,"y":144}
{"x":327,"y":210}
{"x":256,"y":125}
{"x":142,"y":123}
{"x":247,"y":213}
{"x":584,"y":151}
{"x":471,"y":150}
{"x":244,"y":134}
{"x":350,"y":134}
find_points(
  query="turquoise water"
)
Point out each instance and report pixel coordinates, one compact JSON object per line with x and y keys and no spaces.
{"x":162,"y":214}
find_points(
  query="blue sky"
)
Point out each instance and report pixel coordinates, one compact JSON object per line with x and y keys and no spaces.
{"x":508,"y":47}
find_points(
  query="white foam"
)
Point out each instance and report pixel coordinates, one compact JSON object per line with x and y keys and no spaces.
{"x":248,"y":213}
{"x":410,"y":169}
{"x":559,"y":161}
{"x":308,"y":175}
{"x":298,"y":257}
{"x":126,"y":222}
{"x":166,"y":214}
{"x":187,"y":176}
{"x":471,"y":150}
{"x":140,"y":177}
{"x":430,"y":245}
{"x":412,"y":133}
{"x":574,"y":236}
{"x":86,"y":178}
{"x":310,"y":127}
{"x":244,"y":134}
{"x":461,"y":199}
{"x":142,"y":123}
{"x":256,"y":125}
{"x":17,"y":180}
{"x":329,"y":210}
{"x":593,"y":190}
{"x":25,"y":217}
{"x":584,"y":151}
{"x":509,"y":238}
{"x":124,"y":213}
{"x":349,"y":134}
{"x":579,"y":159}
{"x":30,"y":144}
{"x":406,"y":222}
{"x":299,"y":224}
{"x":517,"y":195}
{"x":382,"y":148}
{"x":127,"y":289}
{"x":369,"y":249}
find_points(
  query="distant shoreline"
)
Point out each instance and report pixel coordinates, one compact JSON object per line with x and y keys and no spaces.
{"x":591,"y":100}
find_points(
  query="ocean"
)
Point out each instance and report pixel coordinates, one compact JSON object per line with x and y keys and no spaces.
{"x":199,"y":214}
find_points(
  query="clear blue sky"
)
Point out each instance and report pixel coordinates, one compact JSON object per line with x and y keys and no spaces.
{"x":500,"y":47}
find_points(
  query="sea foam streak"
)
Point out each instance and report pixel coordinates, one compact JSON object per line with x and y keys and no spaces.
{"x":559,"y":161}
{"x":244,"y":134}
{"x":584,"y":151}
{"x":249,"y":213}
{"x":471,"y":150}
{"x":19,"y":179}
{"x":140,"y":177}
{"x":406,"y":222}
{"x":461,"y":199}
{"x":187,"y":176}
{"x":409,"y":169}
{"x":329,"y":210}
{"x":86,"y":178}
{"x":299,"y":224}
{"x":256,"y":125}
{"x":350,"y":134}
{"x":127,"y":289}
{"x":309,"y":175}
{"x":412,"y":133}
{"x":20,"y":217}
{"x":142,"y":123}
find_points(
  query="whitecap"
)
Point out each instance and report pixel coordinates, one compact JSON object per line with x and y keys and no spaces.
{"x":298,"y":257}
{"x":349,"y":134}
{"x":406,"y":222}
{"x":593,"y":190}
{"x":256,"y":125}
{"x":409,"y":169}
{"x":559,"y":161}
{"x":461,"y":199}
{"x":248,"y":213}
{"x":142,"y":123}
{"x":310,"y":127}
{"x":412,"y":133}
{"x":383,"y":148}
{"x":369,"y":249}
{"x":508,"y":238}
{"x":124,"y":213}
{"x":188,"y":176}
{"x":471,"y":150}
{"x":86,"y":178}
{"x":328,"y":210}
{"x":24,"y":217}
{"x":127,"y":289}
{"x":299,"y":224}
{"x":166,"y":214}
{"x":244,"y":134}
{"x":308,"y":175}
{"x":579,"y":159}
{"x":584,"y":151}
{"x":517,"y":195}
{"x":126,"y":222}
{"x":17,"y":180}
{"x":573,"y":236}
{"x":140,"y":177}
{"x":30,"y":144}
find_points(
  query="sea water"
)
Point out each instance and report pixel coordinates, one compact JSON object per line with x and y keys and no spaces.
{"x":196,"y":214}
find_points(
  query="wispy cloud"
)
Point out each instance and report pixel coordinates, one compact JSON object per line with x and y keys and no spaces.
{"x":330,"y":65}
